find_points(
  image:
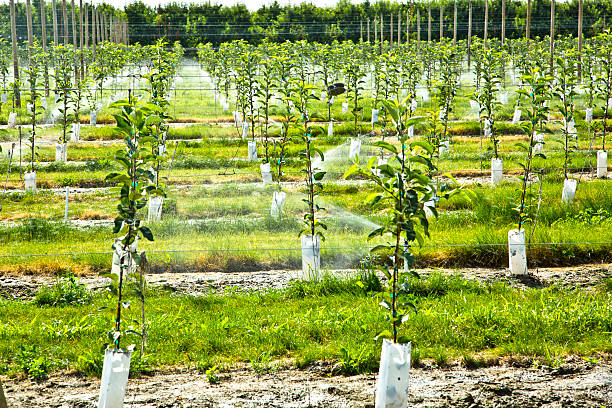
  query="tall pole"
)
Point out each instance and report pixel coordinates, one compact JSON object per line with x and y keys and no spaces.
{"x":469,"y":35}
{"x":528,"y":20}
{"x":64,"y":22}
{"x":503,"y":22}
{"x":391,"y":29}
{"x":455,"y":23}
{"x":408,"y":17}
{"x":361,"y":30}
{"x":30,"y":30}
{"x":441,"y":20}
{"x":486,"y":22}
{"x":15,"y":55}
{"x":376,"y":30}
{"x":86,"y":11}
{"x":399,"y":26}
{"x":43,"y":31}
{"x":418,"y":23}
{"x":552,"y":37}
{"x":580,"y":39}
{"x":368,"y":30}
{"x":54,"y":14}
{"x":81,"y":39}
{"x":429,"y":24}
{"x":382,"y":36}
{"x":74,"y":31}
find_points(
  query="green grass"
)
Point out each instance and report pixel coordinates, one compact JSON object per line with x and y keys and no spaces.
{"x":332,"y":320}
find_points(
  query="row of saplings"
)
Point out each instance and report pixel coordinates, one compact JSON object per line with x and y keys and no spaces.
{"x":405,"y":186}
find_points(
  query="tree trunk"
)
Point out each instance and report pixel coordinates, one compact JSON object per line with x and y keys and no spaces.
{"x":391,"y":29}
{"x":418,"y":24}
{"x":368,"y":30}
{"x":15,"y":55}
{"x":399,"y":27}
{"x":375,"y":30}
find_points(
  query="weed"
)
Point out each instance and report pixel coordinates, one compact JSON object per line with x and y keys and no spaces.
{"x":356,"y":361}
{"x":32,"y":363}
{"x":67,"y":290}
{"x":211,"y":375}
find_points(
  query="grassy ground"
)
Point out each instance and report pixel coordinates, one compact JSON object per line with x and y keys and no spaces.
{"x":335,"y":319}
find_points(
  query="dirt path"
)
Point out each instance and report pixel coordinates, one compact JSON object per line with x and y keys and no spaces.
{"x":24,"y":287}
{"x":576,"y":383}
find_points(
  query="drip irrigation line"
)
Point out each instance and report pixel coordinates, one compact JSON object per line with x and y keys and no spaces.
{"x":177,"y":251}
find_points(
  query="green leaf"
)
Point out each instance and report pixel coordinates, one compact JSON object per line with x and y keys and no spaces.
{"x":146,"y":232}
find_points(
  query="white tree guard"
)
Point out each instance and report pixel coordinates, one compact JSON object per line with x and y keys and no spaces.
{"x":517,"y":253}
{"x":245,"y":130}
{"x":75,"y":136}
{"x":588,"y":115}
{"x":354,"y":149}
{"x":497,"y":170}
{"x":43,"y":103}
{"x":266,"y":174}
{"x":503,"y":98}
{"x":61,"y":152}
{"x":252,"y":146}
{"x":3,"y":98}
{"x":444,"y":147}
{"x":516,"y":117}
{"x":12,"y":120}
{"x":413,"y":105}
{"x":119,"y":253}
{"x":29,"y":108}
{"x":323,"y":96}
{"x":602,"y":163}
{"x":569,"y":191}
{"x":330,"y":129}
{"x":374,"y":116}
{"x":393,"y":380}
{"x":344,"y":107}
{"x":278,"y":203}
{"x":30,"y":181}
{"x":538,"y":147}
{"x":410,"y":132}
{"x":475,"y":107}
{"x":115,"y":374}
{"x":93,"y":118}
{"x":311,"y":257}
{"x":442,"y":114}
{"x":156,"y":204}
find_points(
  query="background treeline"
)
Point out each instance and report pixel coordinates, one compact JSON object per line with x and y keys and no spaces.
{"x":194,"y":23}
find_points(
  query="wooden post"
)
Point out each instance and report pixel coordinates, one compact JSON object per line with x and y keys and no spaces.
{"x":580,"y":40}
{"x":30,"y":30}
{"x":391,"y":29}
{"x":15,"y":55}
{"x":441,"y":20}
{"x":528,"y":22}
{"x":43,"y":32}
{"x":455,"y":23}
{"x":361,"y":30}
{"x":486,"y":22}
{"x":503,"y":22}
{"x":64,"y":22}
{"x":81,"y":40}
{"x":375,"y":30}
{"x":105,"y":27}
{"x":429,"y":24}
{"x":55,"y":32}
{"x":399,"y":26}
{"x":382,"y":32}
{"x":94,"y":31}
{"x":552,"y":37}
{"x":469,"y":35}
{"x":408,"y":16}
{"x":418,"y":23}
{"x":368,"y":30}
{"x":86,"y":37}
{"x":74,"y":31}
{"x":2,"y":397}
